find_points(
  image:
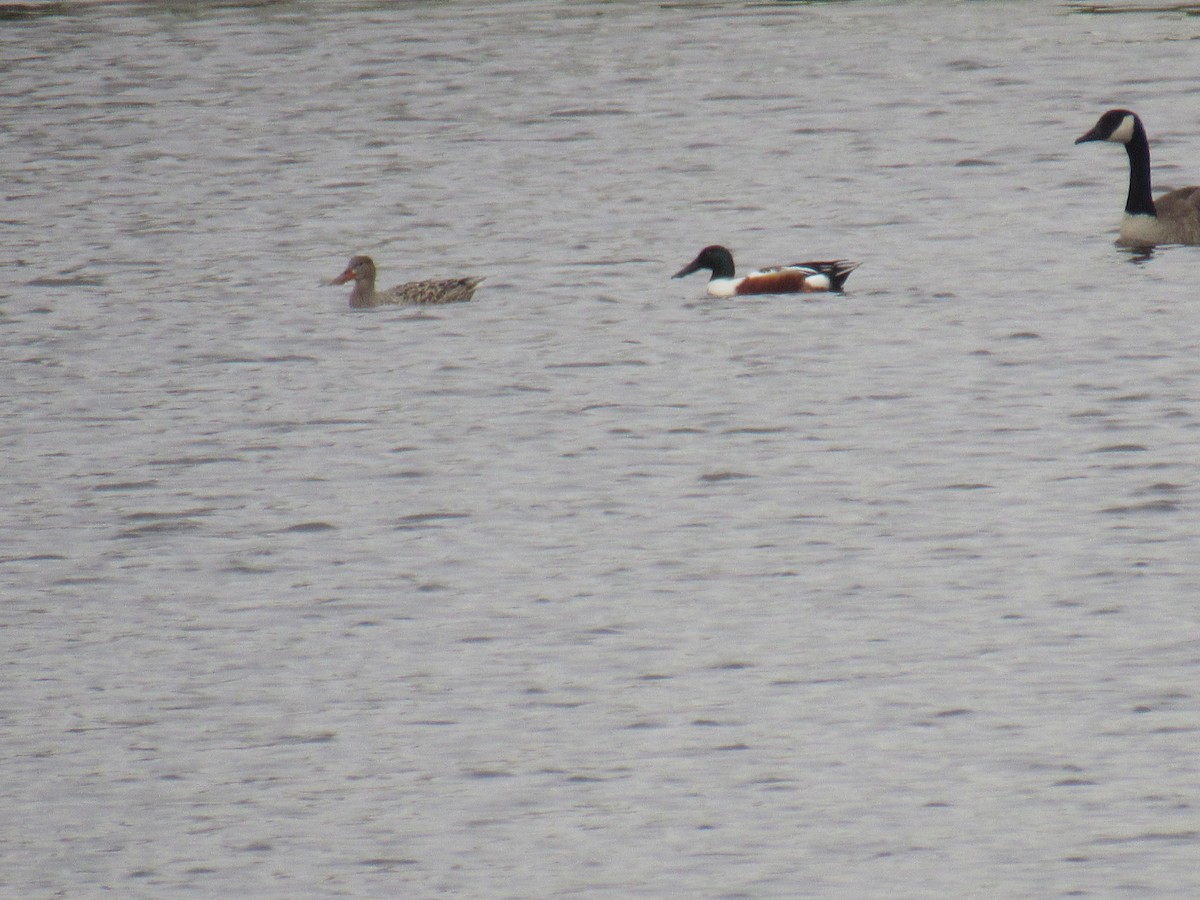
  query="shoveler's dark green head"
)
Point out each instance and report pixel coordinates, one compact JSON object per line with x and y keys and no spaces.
{"x":716,"y":258}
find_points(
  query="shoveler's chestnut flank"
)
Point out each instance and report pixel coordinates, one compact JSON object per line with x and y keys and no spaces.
{"x":798,"y":278}
{"x":361,"y":271}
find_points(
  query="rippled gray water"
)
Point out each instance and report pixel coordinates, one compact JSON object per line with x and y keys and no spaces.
{"x":595,"y":587}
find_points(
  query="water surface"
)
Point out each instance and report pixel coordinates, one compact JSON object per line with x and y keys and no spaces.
{"x":596,"y":586}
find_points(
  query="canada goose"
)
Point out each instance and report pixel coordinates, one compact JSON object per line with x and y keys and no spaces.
{"x":361,"y":270}
{"x":798,"y":278}
{"x":1174,"y":218}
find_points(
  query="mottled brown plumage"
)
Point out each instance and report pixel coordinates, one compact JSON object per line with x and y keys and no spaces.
{"x":361,"y":270}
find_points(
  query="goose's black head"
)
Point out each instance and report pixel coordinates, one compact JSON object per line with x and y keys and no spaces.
{"x":1116,"y":125}
{"x":716,"y":258}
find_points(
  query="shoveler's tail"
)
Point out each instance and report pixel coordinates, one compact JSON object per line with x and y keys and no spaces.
{"x":836,"y":270}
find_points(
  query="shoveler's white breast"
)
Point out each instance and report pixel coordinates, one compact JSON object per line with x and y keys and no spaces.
{"x":724,"y":287}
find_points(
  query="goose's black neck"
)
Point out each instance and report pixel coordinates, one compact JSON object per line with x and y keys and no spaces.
{"x":1139,"y":202}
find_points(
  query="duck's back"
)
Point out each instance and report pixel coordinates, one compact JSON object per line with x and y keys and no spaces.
{"x":431,"y":292}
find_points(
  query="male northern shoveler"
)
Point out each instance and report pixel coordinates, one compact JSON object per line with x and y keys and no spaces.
{"x":798,"y":278}
{"x":361,"y":271}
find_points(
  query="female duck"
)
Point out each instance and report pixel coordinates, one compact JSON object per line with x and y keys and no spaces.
{"x":1174,"y":218}
{"x":798,"y":278}
{"x":361,"y":271}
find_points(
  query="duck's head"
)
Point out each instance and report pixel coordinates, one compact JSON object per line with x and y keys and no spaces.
{"x":1116,"y":125}
{"x":360,"y":268}
{"x":715,"y":258}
